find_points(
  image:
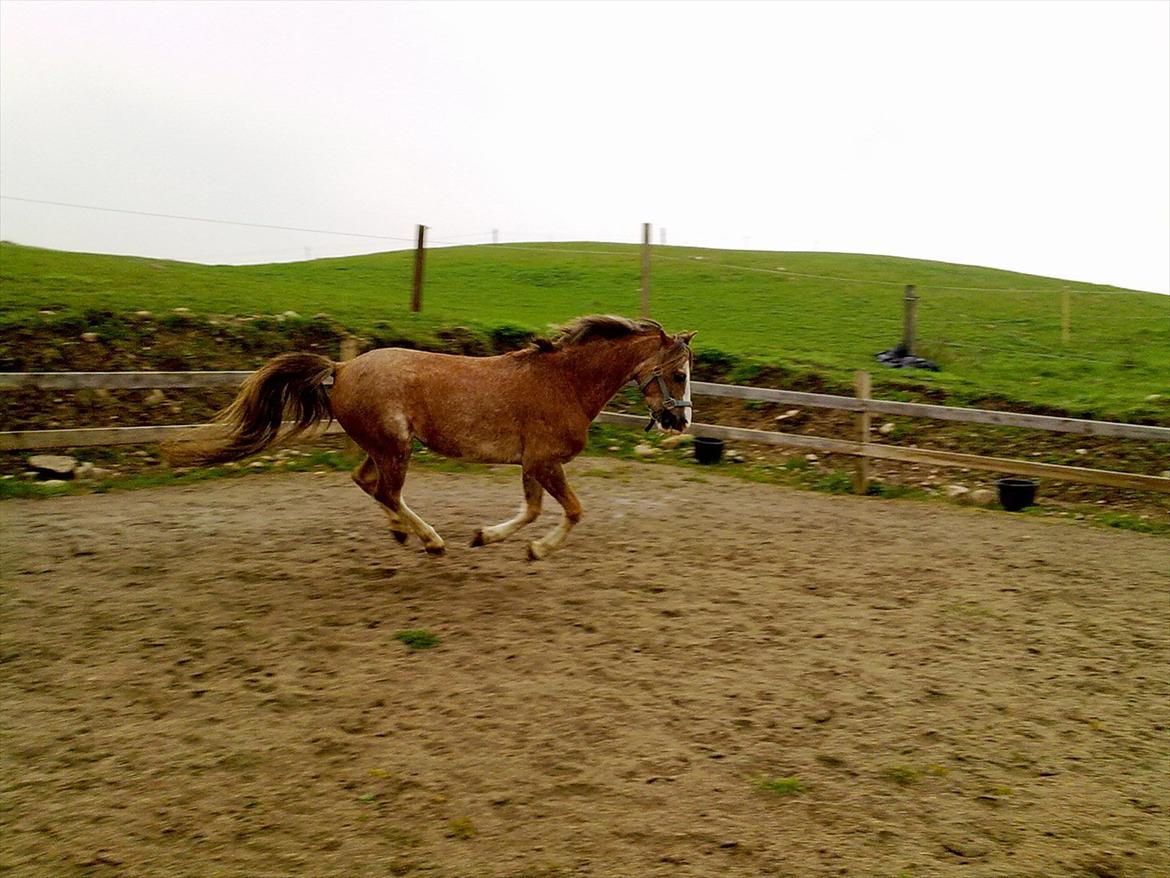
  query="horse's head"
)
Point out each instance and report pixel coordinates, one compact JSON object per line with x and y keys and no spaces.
{"x":665,"y":382}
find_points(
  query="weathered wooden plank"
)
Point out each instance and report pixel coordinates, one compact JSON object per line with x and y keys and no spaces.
{"x":768,"y":394}
{"x":1018,"y":419}
{"x":118,"y":380}
{"x":93,"y":436}
{"x":1082,"y":475}
{"x":87,"y":437}
{"x":937,"y":412}
{"x":150,"y":380}
{"x":740,"y":434}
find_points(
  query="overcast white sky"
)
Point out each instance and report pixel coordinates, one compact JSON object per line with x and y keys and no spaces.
{"x":1029,"y":136}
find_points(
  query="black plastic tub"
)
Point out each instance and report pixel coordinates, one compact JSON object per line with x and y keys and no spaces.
{"x":708,"y":450}
{"x":1015,"y":494}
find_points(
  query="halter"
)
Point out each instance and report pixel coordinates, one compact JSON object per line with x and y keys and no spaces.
{"x":669,"y":403}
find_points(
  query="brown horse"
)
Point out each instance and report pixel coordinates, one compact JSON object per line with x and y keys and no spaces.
{"x":531,"y":407}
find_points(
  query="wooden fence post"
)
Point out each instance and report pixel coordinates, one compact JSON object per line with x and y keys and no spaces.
{"x":909,"y":317}
{"x":861,"y":387}
{"x":645,"y":269}
{"x":1065,"y":316}
{"x":349,"y":348}
{"x":416,"y":289}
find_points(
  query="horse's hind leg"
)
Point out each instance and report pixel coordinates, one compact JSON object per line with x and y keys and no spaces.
{"x":366,"y":477}
{"x":391,"y":474}
{"x":552,"y":479}
{"x":533,"y":493}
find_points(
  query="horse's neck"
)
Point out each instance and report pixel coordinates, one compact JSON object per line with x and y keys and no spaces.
{"x":599,"y":370}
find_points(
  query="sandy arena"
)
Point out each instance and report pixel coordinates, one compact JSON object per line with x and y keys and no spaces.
{"x":205,"y":681}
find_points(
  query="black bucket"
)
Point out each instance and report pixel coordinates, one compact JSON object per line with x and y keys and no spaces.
{"x":708,"y":450}
{"x":1015,"y":494}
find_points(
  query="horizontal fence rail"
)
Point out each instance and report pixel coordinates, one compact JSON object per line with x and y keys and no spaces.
{"x":1081,"y":475}
{"x":117,"y":380}
{"x":937,"y":412}
{"x":1084,"y":427}
{"x":93,"y":436}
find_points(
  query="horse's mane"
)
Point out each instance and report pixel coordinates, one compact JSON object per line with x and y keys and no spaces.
{"x":583,"y":330}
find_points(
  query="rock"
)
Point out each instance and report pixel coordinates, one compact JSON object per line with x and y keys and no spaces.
{"x":182,"y":310}
{"x":736,"y":458}
{"x":614,"y":448}
{"x":1153,"y":397}
{"x":89,"y":472}
{"x":962,"y":846}
{"x":54,"y":483}
{"x":90,"y":337}
{"x":1082,"y":451}
{"x":887,"y":428}
{"x":955,"y":491}
{"x":143,"y":314}
{"x":676,"y":441}
{"x":53,"y":466}
{"x":980,"y":497}
{"x":811,"y":458}
{"x":644,"y":450}
{"x":292,"y":315}
{"x":790,"y":415}
{"x":155,"y":397}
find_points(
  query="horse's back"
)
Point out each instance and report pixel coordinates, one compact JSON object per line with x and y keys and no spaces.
{"x":471,"y":407}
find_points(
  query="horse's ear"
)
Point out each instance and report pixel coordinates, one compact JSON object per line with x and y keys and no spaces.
{"x":685,"y":337}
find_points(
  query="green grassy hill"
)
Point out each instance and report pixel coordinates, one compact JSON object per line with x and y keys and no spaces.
{"x":995,"y":333}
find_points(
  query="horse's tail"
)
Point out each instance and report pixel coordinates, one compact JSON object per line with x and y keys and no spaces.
{"x":291,"y":386}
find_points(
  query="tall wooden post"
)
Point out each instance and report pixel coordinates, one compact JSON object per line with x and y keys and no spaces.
{"x":645,"y":269}
{"x":495,"y":236}
{"x":1065,"y":316}
{"x":909,"y":318}
{"x":416,"y":289}
{"x":861,"y":387}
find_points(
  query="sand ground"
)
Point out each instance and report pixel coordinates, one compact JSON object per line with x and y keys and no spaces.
{"x":205,"y":681}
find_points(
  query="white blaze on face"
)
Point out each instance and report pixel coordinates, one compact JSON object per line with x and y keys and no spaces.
{"x":687,"y":397}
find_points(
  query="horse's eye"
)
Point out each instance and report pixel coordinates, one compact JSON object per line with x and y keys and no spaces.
{"x":680,"y":377}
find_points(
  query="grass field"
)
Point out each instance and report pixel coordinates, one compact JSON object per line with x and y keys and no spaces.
{"x":996,"y":334}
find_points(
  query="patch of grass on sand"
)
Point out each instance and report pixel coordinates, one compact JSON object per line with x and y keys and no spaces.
{"x":417,"y":638}
{"x":782,"y":786}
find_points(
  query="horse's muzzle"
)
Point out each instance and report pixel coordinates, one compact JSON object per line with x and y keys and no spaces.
{"x":671,"y":419}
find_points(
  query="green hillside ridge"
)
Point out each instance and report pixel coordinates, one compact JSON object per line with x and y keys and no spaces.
{"x":996,"y":334}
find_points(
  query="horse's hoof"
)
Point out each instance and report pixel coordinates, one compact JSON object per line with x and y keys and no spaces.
{"x":401,"y":535}
{"x":532,"y":553}
{"x":436,"y":550}
{"x":477,"y":540}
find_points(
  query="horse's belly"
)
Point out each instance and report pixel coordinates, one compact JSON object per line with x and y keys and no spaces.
{"x":478,"y":448}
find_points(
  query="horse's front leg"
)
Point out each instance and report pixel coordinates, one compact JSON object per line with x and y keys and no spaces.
{"x":533,"y":493}
{"x":551,"y":476}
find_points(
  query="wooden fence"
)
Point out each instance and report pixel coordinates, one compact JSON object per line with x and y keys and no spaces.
{"x":861,"y":446}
